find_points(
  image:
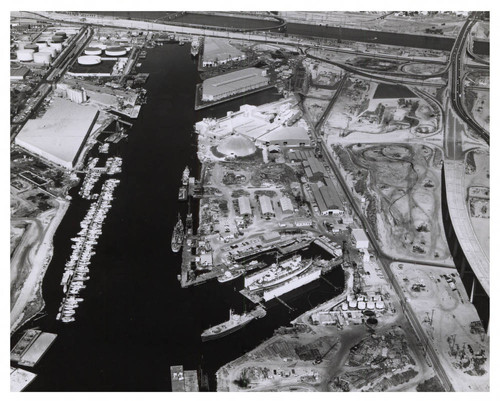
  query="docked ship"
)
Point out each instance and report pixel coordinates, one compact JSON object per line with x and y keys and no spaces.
{"x":277,"y":273}
{"x":185,"y":176}
{"x":295,"y":282}
{"x":230,"y":275}
{"x":234,"y":323}
{"x":178,"y":235}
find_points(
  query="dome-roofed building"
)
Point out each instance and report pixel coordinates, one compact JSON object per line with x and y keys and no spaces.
{"x":237,"y":145}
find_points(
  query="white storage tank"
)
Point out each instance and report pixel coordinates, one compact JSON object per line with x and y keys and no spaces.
{"x":42,"y":44}
{"x":25,"y":55}
{"x":93,"y":51}
{"x":42,"y":58}
{"x":89,"y":60}
{"x":57,"y":39}
{"x":33,"y":46}
{"x":50,"y":50}
{"x":57,"y":46}
{"x":116,"y":51}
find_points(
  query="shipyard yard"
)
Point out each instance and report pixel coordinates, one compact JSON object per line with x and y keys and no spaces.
{"x":311,"y":210}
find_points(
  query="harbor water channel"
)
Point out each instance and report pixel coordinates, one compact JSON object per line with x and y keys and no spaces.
{"x":136,"y":321}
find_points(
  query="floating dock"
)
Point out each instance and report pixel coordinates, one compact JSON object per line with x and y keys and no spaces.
{"x":19,"y":379}
{"x":31,"y":347}
{"x":191,"y":381}
{"x":177,"y":377}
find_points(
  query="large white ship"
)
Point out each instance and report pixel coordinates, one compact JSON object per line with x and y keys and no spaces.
{"x":276,"y":273}
{"x":295,"y":282}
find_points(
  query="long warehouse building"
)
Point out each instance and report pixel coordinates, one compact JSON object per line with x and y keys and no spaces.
{"x":233,"y":83}
{"x":60,"y":134}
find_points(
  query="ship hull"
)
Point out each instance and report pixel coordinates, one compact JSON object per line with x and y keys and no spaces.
{"x":215,"y":336}
{"x":290,"y":286}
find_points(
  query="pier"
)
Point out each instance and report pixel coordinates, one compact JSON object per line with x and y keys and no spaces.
{"x":31,"y":347}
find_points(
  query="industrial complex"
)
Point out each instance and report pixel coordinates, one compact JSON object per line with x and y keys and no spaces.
{"x":311,"y":191}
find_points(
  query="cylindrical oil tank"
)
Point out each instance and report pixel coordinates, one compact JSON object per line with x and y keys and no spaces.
{"x":89,"y":60}
{"x":33,"y":46}
{"x":50,"y":50}
{"x":61,"y":34}
{"x":57,"y":46}
{"x":25,"y":55}
{"x":42,"y":44}
{"x":93,"y":51}
{"x":116,"y":51}
{"x":57,"y":39}
{"x":42,"y":57}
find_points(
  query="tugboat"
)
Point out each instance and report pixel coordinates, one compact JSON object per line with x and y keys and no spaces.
{"x":178,"y":235}
{"x":234,"y":323}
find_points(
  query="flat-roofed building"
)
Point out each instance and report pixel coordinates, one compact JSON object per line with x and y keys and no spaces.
{"x":270,"y":237}
{"x":233,"y":83}
{"x":60,"y":134}
{"x":20,"y":73}
{"x":244,"y":205}
{"x":218,"y":51}
{"x":286,"y":205}
{"x":266,"y":206}
{"x":360,"y":239}
{"x":286,"y":136}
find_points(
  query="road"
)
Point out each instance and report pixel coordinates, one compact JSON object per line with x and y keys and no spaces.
{"x":456,"y":78}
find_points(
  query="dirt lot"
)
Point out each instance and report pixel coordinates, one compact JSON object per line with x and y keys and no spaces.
{"x":406,"y":183}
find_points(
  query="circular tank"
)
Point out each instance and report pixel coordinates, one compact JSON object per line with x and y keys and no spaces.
{"x":89,"y":60}
{"x":50,"y":50}
{"x":61,"y":34}
{"x":33,"y":46}
{"x":57,"y":46}
{"x":42,"y":44}
{"x":42,"y":57}
{"x":116,"y":51}
{"x":93,"y":51}
{"x":57,"y":39}
{"x":25,"y":55}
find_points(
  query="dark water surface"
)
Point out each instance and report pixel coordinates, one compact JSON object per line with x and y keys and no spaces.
{"x":136,"y":321}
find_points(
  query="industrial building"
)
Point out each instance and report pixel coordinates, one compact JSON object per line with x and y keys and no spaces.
{"x":286,"y":136}
{"x":314,"y":169}
{"x":327,"y":199}
{"x":286,"y":205}
{"x":217,"y":51}
{"x":233,"y":83}
{"x":244,"y":206}
{"x":76,"y":95}
{"x":266,"y":206}
{"x":360,"y":238}
{"x":60,"y":133}
{"x":19,"y":73}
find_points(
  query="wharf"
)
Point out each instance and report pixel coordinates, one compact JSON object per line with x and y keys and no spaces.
{"x":199,"y":104}
{"x":31,"y":347}
{"x":188,"y":277}
{"x":256,"y":299}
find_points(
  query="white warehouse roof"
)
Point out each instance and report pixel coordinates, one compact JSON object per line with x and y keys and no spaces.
{"x":60,"y":133}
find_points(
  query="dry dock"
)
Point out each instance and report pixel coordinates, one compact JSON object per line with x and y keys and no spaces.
{"x":31,"y":347}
